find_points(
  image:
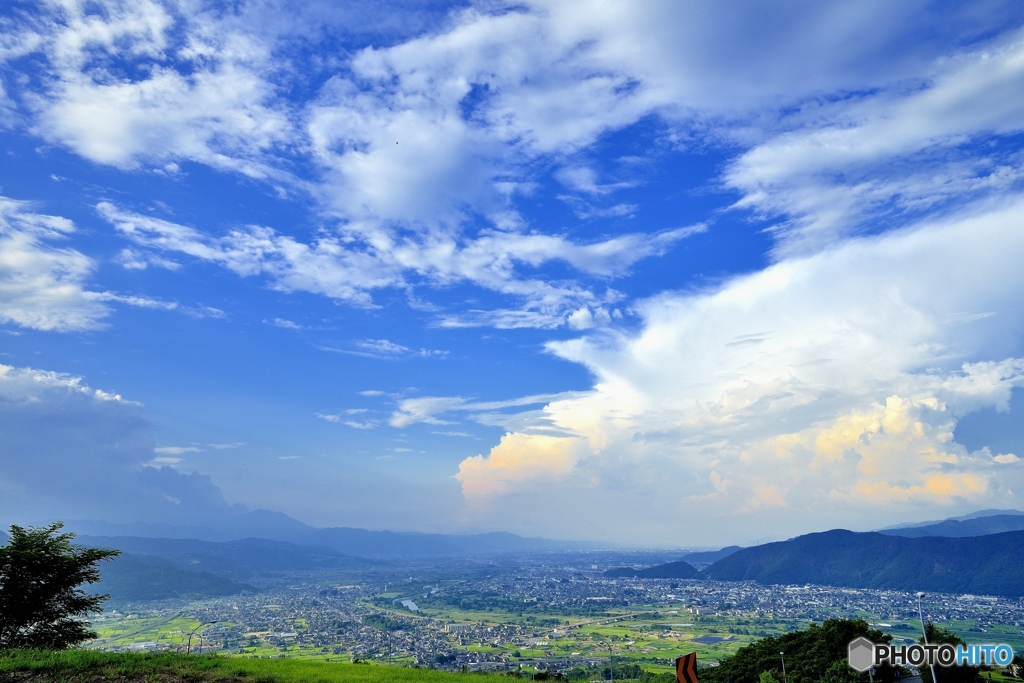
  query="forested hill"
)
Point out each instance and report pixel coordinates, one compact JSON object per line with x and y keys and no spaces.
{"x":988,"y":565}
{"x":132,"y":577}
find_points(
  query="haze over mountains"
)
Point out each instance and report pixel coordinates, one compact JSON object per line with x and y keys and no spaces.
{"x":977,"y":553}
{"x":276,"y":526}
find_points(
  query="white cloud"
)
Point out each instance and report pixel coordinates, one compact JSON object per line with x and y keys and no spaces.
{"x":829,"y":383}
{"x":346,"y":418}
{"x":132,"y":259}
{"x":894,"y":151}
{"x":424,"y":409}
{"x":414,"y":143}
{"x":333,"y":267}
{"x":132,"y":300}
{"x":175,"y":450}
{"x":43,"y":286}
{"x":427,"y":409}
{"x":389,"y":350}
{"x":203,"y":99}
{"x":286,"y":324}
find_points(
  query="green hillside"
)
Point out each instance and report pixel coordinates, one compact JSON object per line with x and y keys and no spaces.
{"x":82,"y":666}
{"x":984,"y":565}
{"x":132,"y":577}
{"x":235,"y":560}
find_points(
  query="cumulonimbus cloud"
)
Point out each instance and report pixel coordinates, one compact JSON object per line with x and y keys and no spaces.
{"x":836,"y":377}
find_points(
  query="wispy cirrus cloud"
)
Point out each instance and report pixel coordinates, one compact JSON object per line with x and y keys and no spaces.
{"x":385,"y":349}
{"x":330,"y":266}
{"x":891,"y":154}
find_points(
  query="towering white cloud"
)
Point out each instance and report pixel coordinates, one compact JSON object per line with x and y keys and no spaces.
{"x":830,"y":382}
{"x":872,"y":138}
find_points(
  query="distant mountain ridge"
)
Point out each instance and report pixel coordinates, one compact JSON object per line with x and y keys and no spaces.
{"x":276,"y":526}
{"x":382,"y":544}
{"x":987,"y":565}
{"x":991,"y":512}
{"x":710,"y":556}
{"x":959,"y":528}
{"x":235,"y":560}
{"x":984,"y":564}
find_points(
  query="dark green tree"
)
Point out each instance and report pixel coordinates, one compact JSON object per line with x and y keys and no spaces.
{"x":811,"y":656}
{"x":41,"y":602}
{"x":951,"y":674}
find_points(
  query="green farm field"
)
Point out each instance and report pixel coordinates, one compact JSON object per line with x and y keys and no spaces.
{"x":649,"y":636}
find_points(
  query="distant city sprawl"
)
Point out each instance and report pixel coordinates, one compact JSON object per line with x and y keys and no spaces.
{"x":534,"y":614}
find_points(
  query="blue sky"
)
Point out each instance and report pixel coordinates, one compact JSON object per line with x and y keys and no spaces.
{"x":682,"y":274}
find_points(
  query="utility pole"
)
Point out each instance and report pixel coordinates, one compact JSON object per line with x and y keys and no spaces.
{"x":920,"y":613}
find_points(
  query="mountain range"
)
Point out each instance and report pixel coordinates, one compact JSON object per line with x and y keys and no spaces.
{"x":276,"y":526}
{"x":1008,"y":520}
{"x":977,"y":553}
{"x":988,"y":564}
{"x":235,"y":560}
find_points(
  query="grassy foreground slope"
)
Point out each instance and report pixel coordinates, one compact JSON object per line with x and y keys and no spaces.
{"x":81,"y":666}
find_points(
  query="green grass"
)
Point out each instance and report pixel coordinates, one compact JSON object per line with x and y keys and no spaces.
{"x":71,"y":666}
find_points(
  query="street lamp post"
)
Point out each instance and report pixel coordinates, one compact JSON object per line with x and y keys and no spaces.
{"x":188,"y":650}
{"x":783,"y":656}
{"x":924,"y":631}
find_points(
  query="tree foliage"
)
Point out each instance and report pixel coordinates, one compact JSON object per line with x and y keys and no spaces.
{"x":41,"y":602}
{"x":950,"y":674}
{"x":814,"y":655}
